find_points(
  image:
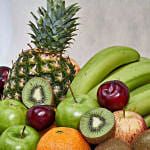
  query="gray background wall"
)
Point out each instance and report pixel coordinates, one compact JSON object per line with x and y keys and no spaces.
{"x":103,"y":23}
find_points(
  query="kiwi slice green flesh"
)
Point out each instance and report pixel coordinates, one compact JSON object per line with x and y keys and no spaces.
{"x":142,"y":141}
{"x":97,"y":124}
{"x":37,"y":91}
{"x":113,"y":144}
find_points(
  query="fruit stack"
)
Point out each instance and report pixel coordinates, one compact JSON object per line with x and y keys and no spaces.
{"x":49,"y":103}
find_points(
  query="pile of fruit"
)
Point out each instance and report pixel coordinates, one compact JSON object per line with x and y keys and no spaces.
{"x":49,"y":103}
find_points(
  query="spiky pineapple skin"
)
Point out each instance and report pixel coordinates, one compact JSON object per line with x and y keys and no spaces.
{"x":52,"y":33}
{"x":58,"y":70}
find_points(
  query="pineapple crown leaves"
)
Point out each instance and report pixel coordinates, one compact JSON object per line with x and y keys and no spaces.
{"x":54,"y":28}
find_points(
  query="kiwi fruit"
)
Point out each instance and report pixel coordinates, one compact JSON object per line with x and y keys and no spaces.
{"x":37,"y":91}
{"x":96,"y":125}
{"x":113,"y":144}
{"x":142,"y":141}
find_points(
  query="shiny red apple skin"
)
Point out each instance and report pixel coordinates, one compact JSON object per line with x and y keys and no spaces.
{"x":113,"y":95}
{"x":40,"y":117}
{"x":4,"y":71}
{"x":126,"y":128}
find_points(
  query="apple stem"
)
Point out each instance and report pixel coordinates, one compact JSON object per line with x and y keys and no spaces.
{"x":124,"y":113}
{"x":23,"y":131}
{"x":72,"y":93}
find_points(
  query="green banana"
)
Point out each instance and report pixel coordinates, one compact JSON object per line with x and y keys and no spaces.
{"x":140,"y":103}
{"x":144,"y":59}
{"x":133,"y":75}
{"x":140,"y":89}
{"x":147,"y":120}
{"x":143,"y":87}
{"x":100,"y":65}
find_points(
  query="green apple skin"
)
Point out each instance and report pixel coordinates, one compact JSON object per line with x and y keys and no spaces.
{"x":11,"y":138}
{"x":12,"y":112}
{"x":68,"y":112}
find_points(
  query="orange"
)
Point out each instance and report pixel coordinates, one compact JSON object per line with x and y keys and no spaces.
{"x":62,"y":138}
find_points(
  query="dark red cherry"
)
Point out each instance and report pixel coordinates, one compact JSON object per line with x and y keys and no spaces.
{"x":3,"y":77}
{"x":113,"y":95}
{"x":40,"y":117}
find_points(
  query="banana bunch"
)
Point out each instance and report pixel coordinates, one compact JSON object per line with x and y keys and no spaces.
{"x":133,"y":75}
{"x":117,"y":63}
{"x":140,"y":102}
{"x":100,"y":66}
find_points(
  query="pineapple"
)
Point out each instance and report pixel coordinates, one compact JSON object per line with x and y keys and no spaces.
{"x":52,"y":34}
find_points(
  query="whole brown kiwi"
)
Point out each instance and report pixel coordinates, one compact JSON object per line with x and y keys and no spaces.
{"x":142,"y":141}
{"x":113,"y":144}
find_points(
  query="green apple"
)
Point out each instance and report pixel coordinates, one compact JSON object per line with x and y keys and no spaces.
{"x":70,"y":110}
{"x":12,"y":112}
{"x":19,"y":138}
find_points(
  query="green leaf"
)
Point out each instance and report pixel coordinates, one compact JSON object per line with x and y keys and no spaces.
{"x":55,"y":26}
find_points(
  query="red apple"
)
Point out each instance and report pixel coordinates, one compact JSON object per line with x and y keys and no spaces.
{"x":3,"y":77}
{"x":113,"y":95}
{"x":128,"y":124}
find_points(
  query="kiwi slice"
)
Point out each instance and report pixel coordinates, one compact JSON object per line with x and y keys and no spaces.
{"x":113,"y":144}
{"x":142,"y":141}
{"x":37,"y":91}
{"x":97,"y":125}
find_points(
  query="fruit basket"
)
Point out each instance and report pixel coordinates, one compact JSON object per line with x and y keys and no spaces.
{"x":49,"y":103}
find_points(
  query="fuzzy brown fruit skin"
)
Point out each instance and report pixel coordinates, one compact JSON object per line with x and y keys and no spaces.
{"x":142,"y":141}
{"x":113,"y":144}
{"x":128,"y":127}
